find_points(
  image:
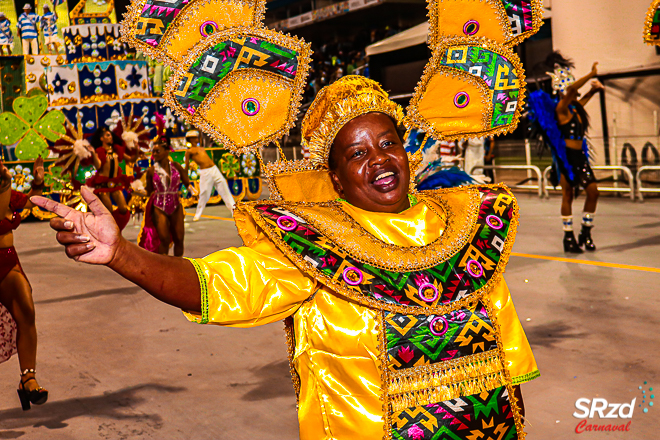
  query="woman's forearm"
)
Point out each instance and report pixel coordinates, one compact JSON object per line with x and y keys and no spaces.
{"x":577,"y":85}
{"x":172,"y":280}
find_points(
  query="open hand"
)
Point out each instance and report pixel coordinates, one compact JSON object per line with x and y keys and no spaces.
{"x":91,"y":237}
{"x":594,"y":69}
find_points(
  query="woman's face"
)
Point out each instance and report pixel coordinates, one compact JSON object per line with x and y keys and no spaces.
{"x":159,"y":152}
{"x":370,"y":165}
{"x":106,"y":137}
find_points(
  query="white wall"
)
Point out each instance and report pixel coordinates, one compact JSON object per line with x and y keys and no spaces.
{"x":610,"y":31}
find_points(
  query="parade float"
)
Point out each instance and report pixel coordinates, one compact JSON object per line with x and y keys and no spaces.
{"x":52,"y":102}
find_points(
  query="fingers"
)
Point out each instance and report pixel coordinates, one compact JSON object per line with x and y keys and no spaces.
{"x":94,"y":203}
{"x":60,"y":224}
{"x":76,"y":250}
{"x":51,"y":205}
{"x":65,"y":238}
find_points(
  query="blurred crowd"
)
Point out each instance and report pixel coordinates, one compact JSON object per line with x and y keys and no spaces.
{"x":333,"y":59}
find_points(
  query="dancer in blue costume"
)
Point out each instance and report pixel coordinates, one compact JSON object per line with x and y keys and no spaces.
{"x":565,"y":122}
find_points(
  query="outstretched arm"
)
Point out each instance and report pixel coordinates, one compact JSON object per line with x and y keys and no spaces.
{"x":94,"y":238}
{"x":596,"y":86}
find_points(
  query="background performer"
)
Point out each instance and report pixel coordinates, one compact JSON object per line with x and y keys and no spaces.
{"x":209,"y":175}
{"x":15,"y":289}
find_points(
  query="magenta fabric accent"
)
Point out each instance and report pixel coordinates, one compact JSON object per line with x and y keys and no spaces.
{"x":167,"y":199}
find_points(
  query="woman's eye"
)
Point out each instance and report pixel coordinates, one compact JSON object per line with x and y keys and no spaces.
{"x":387,"y":143}
{"x":358,"y":153}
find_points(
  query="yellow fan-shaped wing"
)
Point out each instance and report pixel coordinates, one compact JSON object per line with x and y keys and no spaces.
{"x":241,"y":86}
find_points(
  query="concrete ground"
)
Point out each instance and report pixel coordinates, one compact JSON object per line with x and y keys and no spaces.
{"x":121,"y":365}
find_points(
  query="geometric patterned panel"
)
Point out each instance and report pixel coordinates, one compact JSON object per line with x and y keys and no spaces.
{"x":453,"y":279}
{"x":414,"y":340}
{"x":495,"y":70}
{"x":482,"y":416}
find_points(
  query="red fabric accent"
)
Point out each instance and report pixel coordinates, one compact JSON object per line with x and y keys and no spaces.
{"x":16,"y":205}
{"x":103,"y":156}
{"x":99,"y":183}
{"x":121,"y":219}
{"x":8,"y":260}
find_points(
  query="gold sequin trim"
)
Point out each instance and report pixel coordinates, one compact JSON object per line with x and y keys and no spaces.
{"x":289,"y":331}
{"x":648,"y":38}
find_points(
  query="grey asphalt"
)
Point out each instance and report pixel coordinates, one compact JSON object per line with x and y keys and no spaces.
{"x":121,"y":365}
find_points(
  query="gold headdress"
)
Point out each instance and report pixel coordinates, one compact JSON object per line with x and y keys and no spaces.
{"x":335,"y":105}
{"x":652,"y":24}
{"x":242,"y":83}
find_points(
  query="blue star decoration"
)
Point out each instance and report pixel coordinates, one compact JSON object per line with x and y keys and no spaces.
{"x":134,"y":78}
{"x":59,"y":83}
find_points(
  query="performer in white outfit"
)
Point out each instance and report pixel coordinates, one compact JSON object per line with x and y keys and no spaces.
{"x":209,"y":175}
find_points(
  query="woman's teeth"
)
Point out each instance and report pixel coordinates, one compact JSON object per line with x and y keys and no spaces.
{"x":384,"y":175}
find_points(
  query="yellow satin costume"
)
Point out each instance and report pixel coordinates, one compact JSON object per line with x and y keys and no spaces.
{"x":336,"y":352}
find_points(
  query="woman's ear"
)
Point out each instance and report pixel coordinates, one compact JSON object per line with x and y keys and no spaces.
{"x":336,"y":184}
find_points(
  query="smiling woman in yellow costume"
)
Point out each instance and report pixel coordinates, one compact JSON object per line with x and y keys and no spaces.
{"x":399,"y":321}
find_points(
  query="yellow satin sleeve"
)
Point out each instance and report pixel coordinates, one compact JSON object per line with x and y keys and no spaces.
{"x":249,"y":286}
{"x":518,"y":354}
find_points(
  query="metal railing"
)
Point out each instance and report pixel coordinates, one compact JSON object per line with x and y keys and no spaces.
{"x":640,"y":187}
{"x":630,"y":189}
{"x":534,"y":168}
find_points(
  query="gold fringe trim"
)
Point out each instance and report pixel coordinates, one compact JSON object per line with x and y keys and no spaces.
{"x":450,"y":372}
{"x":448,"y":392}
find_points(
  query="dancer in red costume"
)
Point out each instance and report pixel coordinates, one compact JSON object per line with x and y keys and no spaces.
{"x":18,"y":332}
{"x":108,"y":151}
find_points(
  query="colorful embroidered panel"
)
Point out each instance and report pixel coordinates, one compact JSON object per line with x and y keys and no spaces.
{"x":414,"y":340}
{"x":520,"y":15}
{"x":453,"y":279}
{"x":498,"y":73}
{"x":156,"y":18}
{"x":483,"y":416}
{"x":216,"y":62}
